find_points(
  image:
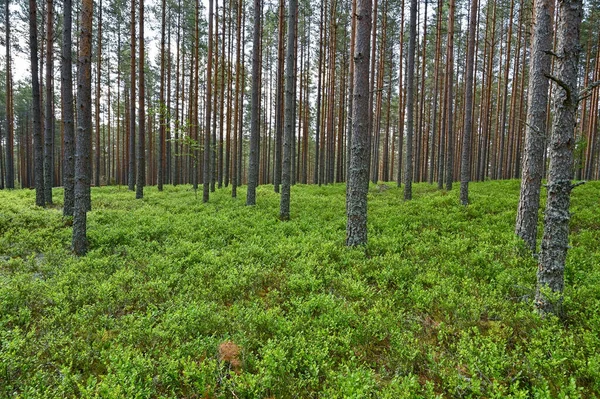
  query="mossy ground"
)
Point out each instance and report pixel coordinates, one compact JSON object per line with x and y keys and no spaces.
{"x":439,"y":303}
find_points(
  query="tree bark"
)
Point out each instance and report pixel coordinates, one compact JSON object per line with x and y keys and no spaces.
{"x":535,"y":132}
{"x":67,"y":103}
{"x":255,"y":105}
{"x":84,"y":130}
{"x":206,"y":176}
{"x":465,"y":167}
{"x":141,"y":144}
{"x":290,"y":105}
{"x":132,"y":124}
{"x":49,"y":116}
{"x":551,"y":266}
{"x":38,"y":149}
{"x":410,"y":101}
{"x":358,"y":176}
{"x":10,"y":160}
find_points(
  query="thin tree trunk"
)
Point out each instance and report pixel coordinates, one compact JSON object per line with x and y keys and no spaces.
{"x":38,"y":149}
{"x":141,"y":144}
{"x":98,"y":94}
{"x":49,"y":124}
{"x":162,"y":106}
{"x":67,"y":103}
{"x":290,"y":104}
{"x":132,"y":96}
{"x":10,"y":160}
{"x":450,"y":99}
{"x":465,"y":167}
{"x":410,"y":101}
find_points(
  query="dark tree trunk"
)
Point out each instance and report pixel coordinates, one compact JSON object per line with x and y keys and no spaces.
{"x":141,"y":144}
{"x":551,"y":266}
{"x":465,"y":167}
{"x":38,"y":149}
{"x":67,"y":103}
{"x":98,"y":94}
{"x":358,"y":176}
{"x":237,"y":109}
{"x":162,"y":105}
{"x":535,"y":131}
{"x":206,"y":176}
{"x":450,"y":100}
{"x":254,"y":119}
{"x":49,"y":124}
{"x":131,"y":172}
{"x":410,"y":101}
{"x":279,"y":102}
{"x":84,"y":130}
{"x":10,"y":160}
{"x":290,"y":105}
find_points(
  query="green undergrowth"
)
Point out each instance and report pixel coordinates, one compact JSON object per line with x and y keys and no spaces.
{"x":180,"y":299}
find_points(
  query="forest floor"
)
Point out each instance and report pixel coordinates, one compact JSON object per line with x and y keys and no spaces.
{"x":180,"y":299}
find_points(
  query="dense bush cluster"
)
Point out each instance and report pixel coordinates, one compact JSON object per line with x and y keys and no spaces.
{"x":179,"y":299}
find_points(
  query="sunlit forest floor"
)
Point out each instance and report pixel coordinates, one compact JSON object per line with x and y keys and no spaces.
{"x":180,"y":299}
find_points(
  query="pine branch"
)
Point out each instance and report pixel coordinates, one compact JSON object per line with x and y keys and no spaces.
{"x":588,"y":91}
{"x":562,"y":84}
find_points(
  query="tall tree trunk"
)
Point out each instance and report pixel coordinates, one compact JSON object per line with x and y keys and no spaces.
{"x":236,"y":106}
{"x":551,"y":266}
{"x":49,"y":124}
{"x":318,"y":138}
{"x":141,"y":144}
{"x":290,"y":104}
{"x":436,"y":73}
{"x":535,"y":132}
{"x":10,"y":160}
{"x":358,"y":176}
{"x":38,"y":149}
{"x":279,"y":100}
{"x":98,"y":94}
{"x":206,"y":176}
{"x":84,"y":130}
{"x":162,"y":106}
{"x":67,"y":104}
{"x":465,"y":167}
{"x":255,"y":105}
{"x":410,"y":100}
{"x":132,"y":124}
{"x":222,"y":104}
{"x":450,"y":99}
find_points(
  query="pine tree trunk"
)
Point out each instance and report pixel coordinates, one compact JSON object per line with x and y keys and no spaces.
{"x":551,"y":266}
{"x":358,"y":176}
{"x":132,"y":96}
{"x":38,"y":149}
{"x":410,"y":101}
{"x":450,"y":100}
{"x":49,"y":124}
{"x":465,"y":168}
{"x":535,"y":132}
{"x":162,"y":106}
{"x":67,"y":103}
{"x":10,"y":160}
{"x":141,"y":144}
{"x":255,"y":105}
{"x":290,"y":104}
{"x":84,"y":130}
